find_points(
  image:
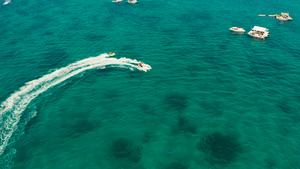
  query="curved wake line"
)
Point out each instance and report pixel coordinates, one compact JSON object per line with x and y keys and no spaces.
{"x":12,"y":108}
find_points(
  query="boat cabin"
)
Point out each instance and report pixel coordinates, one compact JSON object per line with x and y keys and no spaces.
{"x":286,"y":15}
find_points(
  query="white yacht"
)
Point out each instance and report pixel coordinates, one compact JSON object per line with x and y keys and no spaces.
{"x":259,"y":32}
{"x":283,"y":17}
{"x":132,"y":1}
{"x":236,"y":29}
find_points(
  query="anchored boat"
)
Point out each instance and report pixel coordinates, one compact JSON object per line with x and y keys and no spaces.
{"x":259,"y":32}
{"x":283,"y":17}
{"x":236,"y":29}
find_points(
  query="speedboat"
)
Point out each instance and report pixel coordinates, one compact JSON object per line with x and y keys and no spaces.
{"x":132,"y":1}
{"x":236,"y":29}
{"x":143,"y":66}
{"x":259,"y":32}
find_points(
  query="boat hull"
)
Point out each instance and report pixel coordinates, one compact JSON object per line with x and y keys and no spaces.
{"x":282,"y":19}
{"x":258,"y":36}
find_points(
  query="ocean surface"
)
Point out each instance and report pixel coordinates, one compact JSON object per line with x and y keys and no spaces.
{"x":213,"y":99}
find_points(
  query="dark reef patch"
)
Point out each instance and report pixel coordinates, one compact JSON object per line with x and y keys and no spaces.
{"x":295,"y":53}
{"x":147,"y":136}
{"x":111,"y":94}
{"x":184,"y":126}
{"x":82,"y":127}
{"x":125,"y":149}
{"x":176,"y":165}
{"x":220,"y":148}
{"x":74,"y":127}
{"x":176,"y":101}
{"x":270,"y":163}
{"x":290,"y":107}
{"x":147,"y":109}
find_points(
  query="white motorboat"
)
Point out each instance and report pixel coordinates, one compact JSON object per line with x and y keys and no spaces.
{"x":283,"y":17}
{"x":236,"y":29}
{"x":132,"y":1}
{"x":143,"y":66}
{"x":6,"y":2}
{"x":117,"y":1}
{"x":259,"y":32}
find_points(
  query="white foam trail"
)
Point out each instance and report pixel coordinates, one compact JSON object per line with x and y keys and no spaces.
{"x":12,"y":108}
{"x":6,"y":2}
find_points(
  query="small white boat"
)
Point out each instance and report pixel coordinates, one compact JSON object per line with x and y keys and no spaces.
{"x":259,"y":32}
{"x":132,"y":1}
{"x":118,"y":1}
{"x":143,"y":66}
{"x":236,"y":29}
{"x":6,"y":2}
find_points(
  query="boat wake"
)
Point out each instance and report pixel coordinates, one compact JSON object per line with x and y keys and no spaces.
{"x":6,"y":2}
{"x":13,"y":107}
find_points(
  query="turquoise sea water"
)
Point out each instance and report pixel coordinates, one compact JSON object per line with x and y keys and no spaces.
{"x":213,"y":99}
